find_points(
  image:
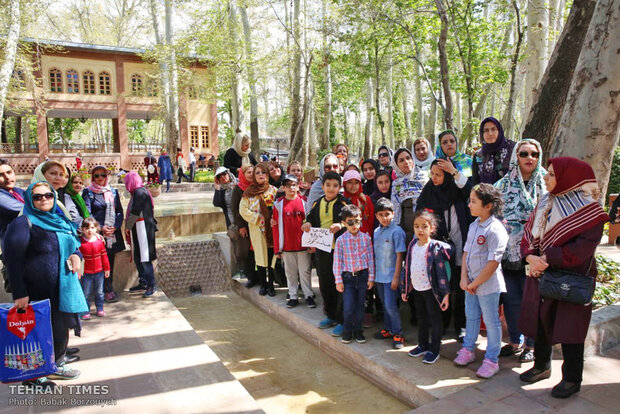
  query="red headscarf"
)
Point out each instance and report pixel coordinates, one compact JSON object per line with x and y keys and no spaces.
{"x":243,"y":182}
{"x":362,"y":201}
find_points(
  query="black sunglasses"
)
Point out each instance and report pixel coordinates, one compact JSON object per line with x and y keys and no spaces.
{"x":353,"y":222}
{"x":39,"y":197}
{"x":385,"y":154}
{"x":99,"y":175}
{"x":524,"y":154}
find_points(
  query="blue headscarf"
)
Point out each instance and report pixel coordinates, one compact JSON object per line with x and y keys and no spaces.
{"x":71,"y":296}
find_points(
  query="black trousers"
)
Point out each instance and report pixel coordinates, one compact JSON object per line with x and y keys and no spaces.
{"x":429,"y":319}
{"x":572,"y":368}
{"x":245,"y":258}
{"x":108,"y":283}
{"x":456,"y":310}
{"x":181,"y":174}
{"x":265,"y":274}
{"x":60,"y":331}
{"x":332,"y":299}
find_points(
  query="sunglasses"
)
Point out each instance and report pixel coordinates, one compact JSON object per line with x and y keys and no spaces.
{"x":101,"y":175}
{"x":353,"y":222}
{"x":524,"y":154}
{"x":330,"y":167}
{"x":39,"y":197}
{"x":385,"y":154}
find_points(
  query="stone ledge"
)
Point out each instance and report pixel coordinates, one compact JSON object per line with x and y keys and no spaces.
{"x":604,"y":331}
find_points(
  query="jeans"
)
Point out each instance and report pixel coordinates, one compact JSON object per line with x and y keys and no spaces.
{"x":181,"y":174}
{"x":332,"y":299}
{"x":146,"y":273}
{"x":93,"y":283}
{"x":353,"y":300}
{"x":429,"y":319}
{"x":515,"y":281}
{"x":192,"y":171}
{"x":488,"y":307}
{"x":391,"y":315}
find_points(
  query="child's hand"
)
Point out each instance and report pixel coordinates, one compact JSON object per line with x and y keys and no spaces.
{"x":243,"y":232}
{"x":471,"y":288}
{"x":279,"y":255}
{"x":403,"y":297}
{"x":306,"y":227}
{"x":395,"y":284}
{"x":445,"y":302}
{"x":311,"y":250}
{"x":370,"y":284}
{"x":106,"y":274}
{"x":463,"y":284}
{"x":340,"y":287}
{"x":334,"y":228}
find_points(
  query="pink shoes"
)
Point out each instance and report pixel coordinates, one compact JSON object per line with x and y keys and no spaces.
{"x":464,"y":357}
{"x":100,"y":313}
{"x":86,"y":316}
{"x":487,"y":369}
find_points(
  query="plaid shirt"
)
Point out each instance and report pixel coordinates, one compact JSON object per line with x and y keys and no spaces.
{"x":353,"y":253}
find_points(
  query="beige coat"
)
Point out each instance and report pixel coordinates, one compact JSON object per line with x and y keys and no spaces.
{"x":249,"y":209}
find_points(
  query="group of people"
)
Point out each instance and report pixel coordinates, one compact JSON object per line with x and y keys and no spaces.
{"x":47,"y":230}
{"x":453,"y":235}
{"x":160,"y":169}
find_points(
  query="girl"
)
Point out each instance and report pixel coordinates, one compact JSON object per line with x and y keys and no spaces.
{"x":449,"y":148}
{"x":369,"y":169}
{"x":427,"y":273}
{"x":353,"y":191}
{"x":383,"y":186}
{"x":96,"y":265}
{"x":74,"y":190}
{"x":296,"y":169}
{"x":423,"y":154}
{"x":224,"y":182}
{"x":255,"y":208}
{"x":482,"y":278}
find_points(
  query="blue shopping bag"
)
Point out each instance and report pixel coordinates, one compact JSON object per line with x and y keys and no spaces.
{"x":26,"y":342}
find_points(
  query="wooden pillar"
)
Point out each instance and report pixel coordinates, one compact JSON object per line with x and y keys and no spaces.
{"x":213,"y":130}
{"x":18,"y":133}
{"x":119,"y":125}
{"x":183,"y":128}
{"x":44,"y":147}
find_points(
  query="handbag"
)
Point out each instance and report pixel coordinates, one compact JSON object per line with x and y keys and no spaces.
{"x":567,"y":286}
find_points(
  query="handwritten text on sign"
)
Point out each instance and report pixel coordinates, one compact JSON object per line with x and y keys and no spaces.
{"x":317,"y":237}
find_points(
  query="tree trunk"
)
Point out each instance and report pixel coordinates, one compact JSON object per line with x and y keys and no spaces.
{"x":443,"y":64}
{"x":298,"y":139}
{"x":418,"y":100}
{"x":432,"y":120}
{"x":247,"y":35}
{"x":553,"y":16}
{"x":536,"y":43}
{"x":174,"y":78}
{"x":236,"y":105}
{"x":590,"y":124}
{"x":406,"y":115}
{"x":295,"y":91}
{"x":10,"y":51}
{"x":458,"y":124}
{"x":544,"y":118}
{"x":312,"y":142}
{"x":390,"y":103}
{"x":508,"y":116}
{"x":368,"y":128}
{"x":380,"y":121}
{"x":327,"y":79}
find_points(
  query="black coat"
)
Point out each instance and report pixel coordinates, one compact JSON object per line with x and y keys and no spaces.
{"x":142,"y":208}
{"x":232,"y":161}
{"x":314,"y":216}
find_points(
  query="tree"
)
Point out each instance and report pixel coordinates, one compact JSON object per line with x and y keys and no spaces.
{"x":443,"y":62}
{"x":247,"y":35}
{"x":536,"y":50}
{"x":6,"y":69}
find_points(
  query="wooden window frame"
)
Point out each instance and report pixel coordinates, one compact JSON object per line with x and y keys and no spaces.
{"x":105,"y":85}
{"x":89,"y":82}
{"x":55,"y":75}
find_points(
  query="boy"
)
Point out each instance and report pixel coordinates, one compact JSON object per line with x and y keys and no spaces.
{"x":354,"y":272}
{"x":288,"y":214}
{"x":389,"y":244}
{"x":324,"y":213}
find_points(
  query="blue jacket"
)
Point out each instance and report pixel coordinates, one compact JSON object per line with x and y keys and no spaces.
{"x":437,"y":268}
{"x":165,"y":167}
{"x":9,"y":209}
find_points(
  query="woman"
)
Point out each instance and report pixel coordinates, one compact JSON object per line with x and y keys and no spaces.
{"x":104,"y":204}
{"x":562,"y":234}
{"x":342,"y":152}
{"x":38,"y":247}
{"x":328,"y":163}
{"x":140,"y":221}
{"x":491,"y":162}
{"x":297,"y":170}
{"x":449,"y":148}
{"x":406,"y":189}
{"x":245,"y":256}
{"x":446,"y":195}
{"x":385,"y":155}
{"x":165,"y":168}
{"x":57,"y":176}
{"x":74,"y":191}
{"x":423,"y":155}
{"x":522,"y":187}
{"x":369,"y":170}
{"x":276,"y":177}
{"x":224,"y":183}
{"x":255,"y":208}
{"x":239,"y":154}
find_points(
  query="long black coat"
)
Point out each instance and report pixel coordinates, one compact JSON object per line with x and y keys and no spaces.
{"x":142,"y":209}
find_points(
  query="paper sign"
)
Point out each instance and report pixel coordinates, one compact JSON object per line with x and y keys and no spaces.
{"x":317,"y":237}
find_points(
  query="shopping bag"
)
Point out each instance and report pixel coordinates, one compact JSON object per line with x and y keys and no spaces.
{"x":26,"y":342}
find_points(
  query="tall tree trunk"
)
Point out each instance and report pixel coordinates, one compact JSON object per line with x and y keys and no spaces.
{"x":173,"y":97}
{"x":508,"y":116}
{"x":554,"y":12}
{"x":537,"y":23}
{"x":327,"y":80}
{"x":590,"y":124}
{"x":298,"y":139}
{"x":390,"y":103}
{"x":406,"y":115}
{"x":10,"y":51}
{"x":458,"y":122}
{"x":432,"y":120}
{"x":295,"y":92}
{"x":443,"y":64}
{"x":312,"y":141}
{"x":380,"y":121}
{"x":543,"y":120}
{"x":368,"y":128}
{"x":418,"y":99}
{"x":236,"y":105}
{"x":247,"y":35}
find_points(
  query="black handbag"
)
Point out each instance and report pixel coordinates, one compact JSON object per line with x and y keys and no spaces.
{"x":567,"y":286}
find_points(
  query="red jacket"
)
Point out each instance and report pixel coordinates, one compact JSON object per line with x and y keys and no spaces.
{"x":95,"y":256}
{"x":289,"y":215}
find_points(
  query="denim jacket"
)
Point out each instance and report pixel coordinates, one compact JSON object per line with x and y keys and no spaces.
{"x":437,"y":268}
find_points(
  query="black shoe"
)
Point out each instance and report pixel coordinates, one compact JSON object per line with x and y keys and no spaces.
{"x":42,"y":382}
{"x":71,"y":358}
{"x":271,"y":291}
{"x":149,"y":292}
{"x":359,"y":337}
{"x":310,"y":302}
{"x":288,"y":296}
{"x":534,"y":375}
{"x":565,"y":389}
{"x":262,"y":291}
{"x":527,"y":356}
{"x":72,"y":351}
{"x":291,"y":303}
{"x":508,"y":350}
{"x":138,"y":288}
{"x":250,"y":284}
{"x":347,"y":337}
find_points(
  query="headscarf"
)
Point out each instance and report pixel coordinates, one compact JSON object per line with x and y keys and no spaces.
{"x":378,"y":194}
{"x":369,"y":185}
{"x":76,"y":197}
{"x":133,"y":181}
{"x":461,"y":160}
{"x":406,"y":186}
{"x":493,"y":159}
{"x":108,"y":197}
{"x":520,"y":199}
{"x":316,"y":190}
{"x":243,"y":182}
{"x":149,"y":154}
{"x":265,"y":200}
{"x":233,"y":180}
{"x":426,"y":164}
{"x":571,"y":208}
{"x":38,"y":176}
{"x":256,"y":189}
{"x":360,"y":200}
{"x":237,"y":144}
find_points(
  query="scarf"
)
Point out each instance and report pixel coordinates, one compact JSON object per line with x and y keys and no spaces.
{"x":360,"y":200}
{"x":76,"y":197}
{"x":265,"y":195}
{"x":520,"y":200}
{"x":410,"y":185}
{"x":231,"y":184}
{"x":461,"y":160}
{"x":369,"y":185}
{"x":245,"y":155}
{"x":243,"y":182}
{"x":493,"y":159}
{"x":108,"y":197}
{"x":571,"y":208}
{"x":426,"y":164}
{"x":38,"y":176}
{"x":133,"y":181}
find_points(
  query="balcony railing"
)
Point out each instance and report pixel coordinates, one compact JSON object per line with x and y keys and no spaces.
{"x":22,"y":148}
{"x":19,"y":148}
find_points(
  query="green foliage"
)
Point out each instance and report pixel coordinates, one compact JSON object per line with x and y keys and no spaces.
{"x":608,"y":282}
{"x":60,"y":130}
{"x":204,"y":177}
{"x":608,"y":269}
{"x":136,"y":129}
{"x":614,"y":178}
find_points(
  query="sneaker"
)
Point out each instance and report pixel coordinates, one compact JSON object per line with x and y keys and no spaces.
{"x":291,"y":303}
{"x":359,"y":337}
{"x":310,"y":302}
{"x":271,"y":291}
{"x":110,"y":297}
{"x":367,"y":323}
{"x":149,"y":292}
{"x":327,"y":323}
{"x":42,"y":382}
{"x":65,"y":373}
{"x":101,"y":313}
{"x":398,"y":342}
{"x":338,"y":330}
{"x":430,"y":357}
{"x":138,"y":288}
{"x":508,"y":350}
{"x":487,"y":369}
{"x":382,"y":334}
{"x":418,"y":351}
{"x":527,"y":355}
{"x":464,"y":357}
{"x":86,"y":317}
{"x":262,"y":291}
{"x":347,"y":337}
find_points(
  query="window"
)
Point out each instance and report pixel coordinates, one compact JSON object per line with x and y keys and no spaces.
{"x":204,"y":136}
{"x":136,"y":84}
{"x":193,"y":135}
{"x":55,"y":80}
{"x":152,"y":88}
{"x":19,"y":78}
{"x":73,"y":81}
{"x":89,"y":82}
{"x":104,"y":83}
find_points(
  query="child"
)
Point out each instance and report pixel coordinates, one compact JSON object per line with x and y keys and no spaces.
{"x":296,"y":169}
{"x":288,"y":215}
{"x":482,"y":278}
{"x":354,"y":272}
{"x":353,"y":192}
{"x":427,"y":273}
{"x":389,"y":244}
{"x":324,"y":213}
{"x":96,"y":265}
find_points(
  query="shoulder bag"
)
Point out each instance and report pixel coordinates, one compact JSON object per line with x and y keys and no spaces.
{"x":567,"y":286}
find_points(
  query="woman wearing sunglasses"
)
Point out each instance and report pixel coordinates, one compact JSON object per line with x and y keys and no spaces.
{"x":104,"y":204}
{"x":522,"y":187}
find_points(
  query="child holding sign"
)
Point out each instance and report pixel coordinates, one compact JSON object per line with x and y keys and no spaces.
{"x":288,"y":216}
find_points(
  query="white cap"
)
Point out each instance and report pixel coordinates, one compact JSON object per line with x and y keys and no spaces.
{"x":220,"y":170}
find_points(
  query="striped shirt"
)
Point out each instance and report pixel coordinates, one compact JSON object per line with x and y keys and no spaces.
{"x":353,"y":253}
